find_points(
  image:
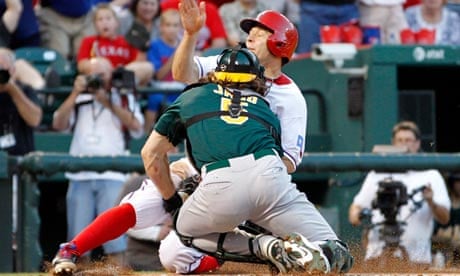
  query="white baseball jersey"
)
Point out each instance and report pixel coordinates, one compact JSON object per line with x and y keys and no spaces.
{"x":286,"y":101}
{"x":417,"y":234}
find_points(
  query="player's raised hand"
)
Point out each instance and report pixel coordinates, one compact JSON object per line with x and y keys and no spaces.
{"x":193,"y":16}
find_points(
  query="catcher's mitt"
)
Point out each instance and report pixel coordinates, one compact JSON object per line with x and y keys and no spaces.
{"x":188,"y":185}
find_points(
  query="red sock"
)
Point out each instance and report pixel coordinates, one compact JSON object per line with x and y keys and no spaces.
{"x":107,"y":226}
{"x":207,"y":264}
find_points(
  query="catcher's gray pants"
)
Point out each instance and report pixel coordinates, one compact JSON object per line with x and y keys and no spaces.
{"x":250,"y":188}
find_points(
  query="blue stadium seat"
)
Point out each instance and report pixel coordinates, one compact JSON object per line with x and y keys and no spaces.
{"x":45,"y":59}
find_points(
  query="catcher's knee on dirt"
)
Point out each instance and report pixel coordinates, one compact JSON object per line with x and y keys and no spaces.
{"x":338,"y":255}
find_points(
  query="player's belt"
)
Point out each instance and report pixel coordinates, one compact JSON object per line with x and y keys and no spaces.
{"x":226,"y":163}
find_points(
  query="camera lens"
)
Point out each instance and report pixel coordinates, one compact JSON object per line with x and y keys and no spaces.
{"x":123,"y":79}
{"x":94,"y":82}
{"x":4,"y":76}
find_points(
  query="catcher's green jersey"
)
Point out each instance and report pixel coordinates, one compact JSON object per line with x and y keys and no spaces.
{"x":220,"y":136}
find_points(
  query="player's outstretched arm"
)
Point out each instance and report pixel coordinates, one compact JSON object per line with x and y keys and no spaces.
{"x":193,"y":18}
{"x":156,"y":163}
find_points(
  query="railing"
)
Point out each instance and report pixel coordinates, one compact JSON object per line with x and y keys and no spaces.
{"x":51,"y":163}
{"x":345,"y":162}
{"x":155,"y":87}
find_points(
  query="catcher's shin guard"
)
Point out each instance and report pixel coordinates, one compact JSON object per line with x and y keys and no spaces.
{"x":221,"y":255}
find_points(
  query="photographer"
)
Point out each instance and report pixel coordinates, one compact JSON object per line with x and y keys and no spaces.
{"x":100,"y":121}
{"x":20,"y":111}
{"x":429,"y":200}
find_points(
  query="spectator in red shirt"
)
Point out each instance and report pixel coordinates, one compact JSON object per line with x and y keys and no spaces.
{"x":411,"y":3}
{"x":113,"y":46}
{"x":213,"y":34}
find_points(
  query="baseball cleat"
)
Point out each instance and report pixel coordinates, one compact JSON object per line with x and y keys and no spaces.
{"x":305,"y":255}
{"x":341,"y":260}
{"x":64,"y":261}
{"x":277,"y":255}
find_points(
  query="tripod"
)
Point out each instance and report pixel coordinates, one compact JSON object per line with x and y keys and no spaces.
{"x":394,"y":254}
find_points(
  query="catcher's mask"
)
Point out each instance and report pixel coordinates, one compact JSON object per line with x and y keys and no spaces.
{"x":238,"y":66}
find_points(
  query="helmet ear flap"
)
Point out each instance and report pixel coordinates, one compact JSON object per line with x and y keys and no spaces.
{"x":274,"y":45}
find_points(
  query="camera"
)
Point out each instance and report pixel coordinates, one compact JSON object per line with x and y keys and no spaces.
{"x":4,"y":76}
{"x":391,"y":195}
{"x":333,"y":51}
{"x":94,"y":82}
{"x":123,"y":80}
{"x":333,"y":55}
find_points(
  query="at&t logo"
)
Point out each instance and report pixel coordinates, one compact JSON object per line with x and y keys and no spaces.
{"x":420,"y":54}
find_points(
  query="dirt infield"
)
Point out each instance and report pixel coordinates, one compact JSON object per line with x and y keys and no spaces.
{"x":109,"y":269}
{"x":381,"y":267}
{"x":231,"y":268}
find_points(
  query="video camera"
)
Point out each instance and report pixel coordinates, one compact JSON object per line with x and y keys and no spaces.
{"x":391,"y":195}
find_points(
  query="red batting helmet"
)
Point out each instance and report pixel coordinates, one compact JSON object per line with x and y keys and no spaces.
{"x":283,"y":41}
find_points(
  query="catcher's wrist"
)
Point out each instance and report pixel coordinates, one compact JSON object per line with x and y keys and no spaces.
{"x":173,"y":203}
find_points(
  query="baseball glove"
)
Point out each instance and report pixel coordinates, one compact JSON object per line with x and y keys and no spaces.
{"x":188,"y":185}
